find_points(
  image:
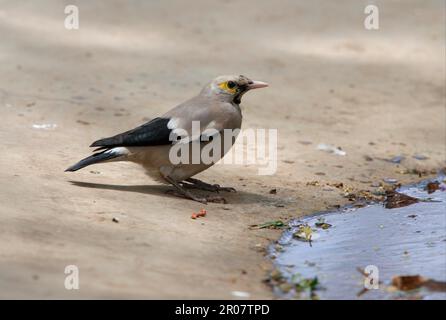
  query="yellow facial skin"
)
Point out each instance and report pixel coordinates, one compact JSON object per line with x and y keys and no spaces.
{"x":224,"y":86}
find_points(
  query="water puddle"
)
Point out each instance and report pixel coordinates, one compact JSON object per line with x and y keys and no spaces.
{"x":409,"y":240}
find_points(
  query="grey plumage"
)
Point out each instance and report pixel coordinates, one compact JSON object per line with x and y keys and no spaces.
{"x":216,"y":107}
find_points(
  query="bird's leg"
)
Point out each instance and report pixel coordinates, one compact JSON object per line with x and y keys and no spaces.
{"x":184,"y":192}
{"x":198,"y":184}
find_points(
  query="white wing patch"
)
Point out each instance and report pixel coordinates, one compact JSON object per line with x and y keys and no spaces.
{"x":173,"y":123}
{"x":118,"y":150}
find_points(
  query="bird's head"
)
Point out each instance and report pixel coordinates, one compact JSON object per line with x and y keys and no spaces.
{"x":231,"y":88}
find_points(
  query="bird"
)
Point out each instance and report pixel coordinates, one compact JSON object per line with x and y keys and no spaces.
{"x":216,"y":109}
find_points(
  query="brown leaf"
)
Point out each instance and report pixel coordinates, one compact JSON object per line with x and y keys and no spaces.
{"x":397,"y":200}
{"x":435,"y":285}
{"x":431,"y":187}
{"x":406,"y":283}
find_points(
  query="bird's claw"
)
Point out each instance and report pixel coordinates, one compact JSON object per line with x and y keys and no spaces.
{"x":205,"y":200}
{"x":198,"y":184}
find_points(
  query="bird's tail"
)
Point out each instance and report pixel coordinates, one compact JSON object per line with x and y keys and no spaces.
{"x":96,"y":158}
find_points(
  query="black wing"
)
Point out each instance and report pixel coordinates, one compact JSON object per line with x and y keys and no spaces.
{"x":152,"y":133}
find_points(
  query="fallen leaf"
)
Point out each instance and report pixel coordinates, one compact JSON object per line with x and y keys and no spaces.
{"x":302,"y":284}
{"x":397,"y":200}
{"x":277,"y":224}
{"x":304,"y":232}
{"x":431,"y":187}
{"x":435,"y":285}
{"x":409,"y":282}
{"x":322,"y":224}
{"x":406,"y":283}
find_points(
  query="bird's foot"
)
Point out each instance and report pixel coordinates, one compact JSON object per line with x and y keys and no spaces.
{"x":198,"y":184}
{"x":181,"y":191}
{"x":188,"y":196}
{"x":205,"y":200}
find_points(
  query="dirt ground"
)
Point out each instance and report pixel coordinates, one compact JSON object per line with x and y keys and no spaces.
{"x":376,"y":94}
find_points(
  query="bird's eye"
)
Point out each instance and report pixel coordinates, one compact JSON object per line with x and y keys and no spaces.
{"x":231,"y":84}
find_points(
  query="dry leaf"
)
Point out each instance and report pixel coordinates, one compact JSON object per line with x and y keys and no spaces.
{"x":397,"y":200}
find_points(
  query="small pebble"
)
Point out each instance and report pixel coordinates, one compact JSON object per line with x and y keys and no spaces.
{"x":240,"y":294}
{"x":116,"y":220}
{"x":397,"y":159}
{"x":390,"y":180}
{"x":420,"y":157}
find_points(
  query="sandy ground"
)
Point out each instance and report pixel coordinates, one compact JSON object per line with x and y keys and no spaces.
{"x":373,"y":93}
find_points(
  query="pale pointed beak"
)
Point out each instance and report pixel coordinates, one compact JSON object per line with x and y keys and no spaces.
{"x":257,"y":85}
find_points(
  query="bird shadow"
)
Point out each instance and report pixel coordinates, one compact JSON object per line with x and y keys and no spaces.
{"x":239,"y":197}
